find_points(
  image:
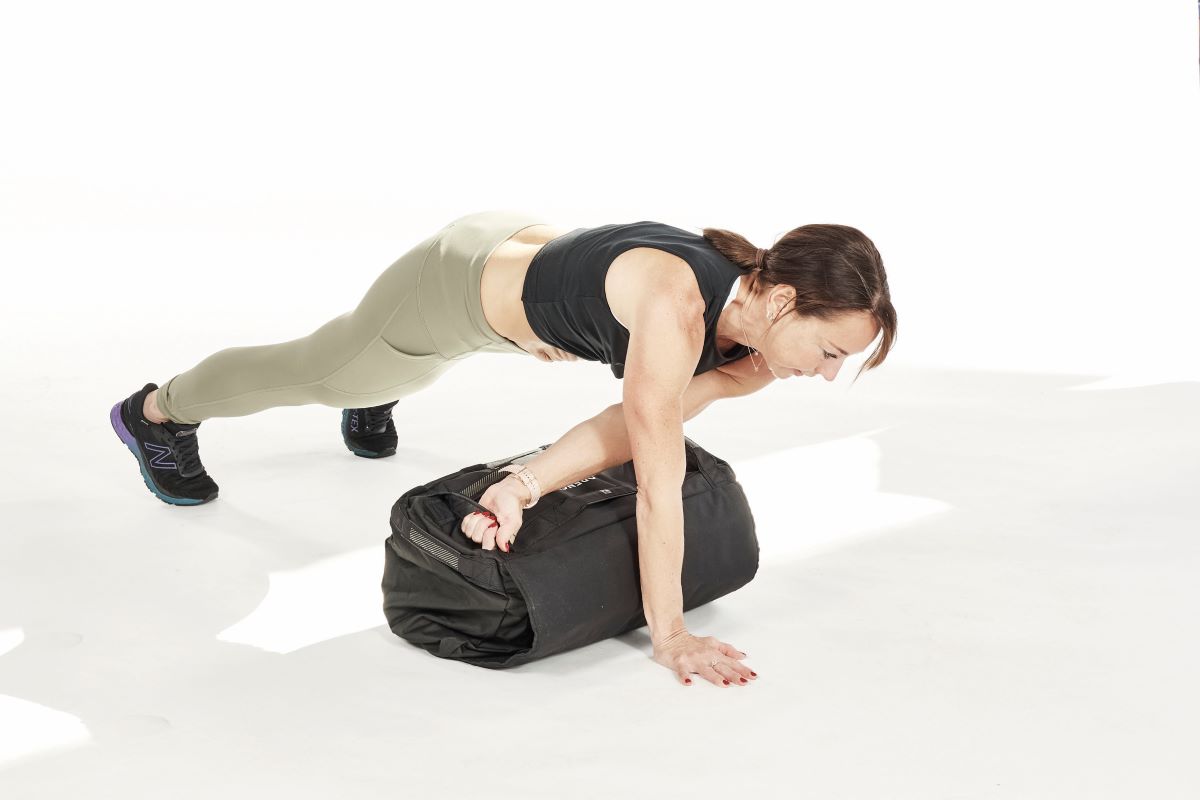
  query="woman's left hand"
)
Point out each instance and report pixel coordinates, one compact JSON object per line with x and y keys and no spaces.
{"x":505,"y":500}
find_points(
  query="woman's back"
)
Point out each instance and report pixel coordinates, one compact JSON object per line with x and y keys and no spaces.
{"x":565,"y":303}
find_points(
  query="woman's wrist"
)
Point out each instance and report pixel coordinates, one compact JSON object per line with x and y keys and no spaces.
{"x":528,"y":480}
{"x":517,"y":486}
{"x":659,"y":639}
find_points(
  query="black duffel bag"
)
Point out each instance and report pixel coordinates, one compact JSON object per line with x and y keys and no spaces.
{"x":572,"y":576}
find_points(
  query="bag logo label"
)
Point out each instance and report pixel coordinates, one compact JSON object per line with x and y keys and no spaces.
{"x":580,"y":483}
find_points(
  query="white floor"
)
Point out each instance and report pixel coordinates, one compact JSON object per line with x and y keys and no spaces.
{"x":972,"y":585}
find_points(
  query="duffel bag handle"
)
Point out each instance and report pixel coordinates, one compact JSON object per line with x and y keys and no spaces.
{"x":471,"y":501}
{"x":476,"y":489}
{"x":472,"y":493}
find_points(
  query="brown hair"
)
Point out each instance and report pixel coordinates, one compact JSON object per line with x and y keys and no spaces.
{"x":833,"y":268}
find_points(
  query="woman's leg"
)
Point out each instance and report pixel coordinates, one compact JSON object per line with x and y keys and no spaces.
{"x":345,"y":363}
{"x":419,"y":317}
{"x":449,"y":319}
{"x":422,"y":315}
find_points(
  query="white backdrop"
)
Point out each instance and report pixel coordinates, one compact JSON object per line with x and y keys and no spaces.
{"x":1027,"y":170}
{"x":976,"y":580}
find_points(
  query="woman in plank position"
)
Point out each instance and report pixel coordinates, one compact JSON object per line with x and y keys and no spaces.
{"x":684,"y":319}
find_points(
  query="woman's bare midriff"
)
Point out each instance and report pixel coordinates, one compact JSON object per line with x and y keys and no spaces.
{"x":501,"y":285}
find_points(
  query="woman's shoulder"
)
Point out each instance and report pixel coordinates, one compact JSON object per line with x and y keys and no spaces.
{"x":642,"y":273}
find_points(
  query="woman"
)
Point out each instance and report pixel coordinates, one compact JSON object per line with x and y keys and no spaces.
{"x":684,"y":319}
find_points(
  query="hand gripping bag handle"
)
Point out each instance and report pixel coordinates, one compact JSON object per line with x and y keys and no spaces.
{"x":559,"y":621}
{"x":475,"y":564}
{"x":483,"y":570}
{"x":472,"y":565}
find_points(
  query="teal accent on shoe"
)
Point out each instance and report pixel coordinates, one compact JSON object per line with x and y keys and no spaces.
{"x":166,"y":498}
{"x":358,"y":451}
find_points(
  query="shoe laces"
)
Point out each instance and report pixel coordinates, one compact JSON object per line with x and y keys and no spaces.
{"x":186,"y":448}
{"x":375,"y":419}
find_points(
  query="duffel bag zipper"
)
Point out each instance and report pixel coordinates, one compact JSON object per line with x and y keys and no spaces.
{"x":438,"y":551}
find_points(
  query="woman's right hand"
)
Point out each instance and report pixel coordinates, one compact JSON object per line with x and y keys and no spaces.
{"x":683,"y":654}
{"x":506,"y":501}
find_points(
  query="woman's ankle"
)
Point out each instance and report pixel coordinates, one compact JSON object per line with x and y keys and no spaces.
{"x":151,"y":411}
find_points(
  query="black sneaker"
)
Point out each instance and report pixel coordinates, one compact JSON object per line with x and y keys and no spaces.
{"x":168,"y":454}
{"x":370,"y":432}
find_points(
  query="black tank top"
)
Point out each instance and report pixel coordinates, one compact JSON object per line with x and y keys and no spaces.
{"x":564,"y":300}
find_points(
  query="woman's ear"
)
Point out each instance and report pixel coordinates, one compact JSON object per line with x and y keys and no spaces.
{"x":780,"y":299}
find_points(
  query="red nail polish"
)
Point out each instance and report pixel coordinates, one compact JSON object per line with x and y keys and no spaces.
{"x":725,"y":681}
{"x":688,"y":681}
{"x":743,"y":680}
{"x":755,"y":674}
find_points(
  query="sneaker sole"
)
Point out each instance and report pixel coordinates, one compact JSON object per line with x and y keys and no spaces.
{"x":127,"y":438}
{"x":358,"y":451}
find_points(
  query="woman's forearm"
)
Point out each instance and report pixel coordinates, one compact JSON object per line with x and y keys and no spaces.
{"x":603,"y":441}
{"x":660,"y":554}
{"x":591,"y":446}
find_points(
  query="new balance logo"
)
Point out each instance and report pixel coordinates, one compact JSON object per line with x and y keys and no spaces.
{"x":162,"y":456}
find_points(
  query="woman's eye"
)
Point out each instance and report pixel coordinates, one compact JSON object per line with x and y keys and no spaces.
{"x":828,"y":354}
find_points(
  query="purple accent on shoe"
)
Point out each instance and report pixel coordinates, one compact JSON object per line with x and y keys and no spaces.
{"x":160,"y":455}
{"x":118,"y":424}
{"x":117,"y":417}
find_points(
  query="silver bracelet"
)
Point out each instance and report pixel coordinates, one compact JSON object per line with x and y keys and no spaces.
{"x":531,"y":483}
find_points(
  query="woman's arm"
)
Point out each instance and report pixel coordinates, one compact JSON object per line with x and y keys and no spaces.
{"x":659,"y":393}
{"x":665,"y":340}
{"x":590,"y":447}
{"x":602,"y":441}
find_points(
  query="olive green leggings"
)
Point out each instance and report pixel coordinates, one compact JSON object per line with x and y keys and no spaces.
{"x":423,"y":314}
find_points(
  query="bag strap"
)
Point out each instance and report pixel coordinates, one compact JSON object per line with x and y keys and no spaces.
{"x":705,"y":463}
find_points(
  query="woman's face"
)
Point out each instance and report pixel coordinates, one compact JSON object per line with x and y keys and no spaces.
{"x":795,"y":345}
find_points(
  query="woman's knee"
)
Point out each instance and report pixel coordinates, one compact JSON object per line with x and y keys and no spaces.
{"x":382,"y":369}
